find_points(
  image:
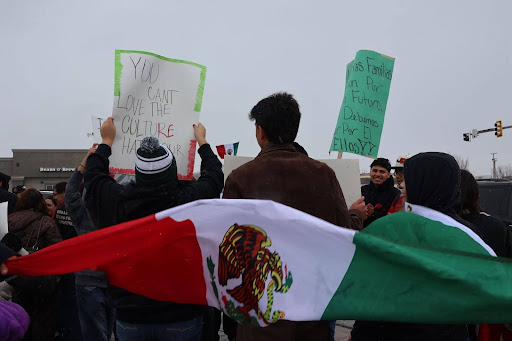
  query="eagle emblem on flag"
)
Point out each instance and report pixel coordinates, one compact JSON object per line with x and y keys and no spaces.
{"x":244,"y":252}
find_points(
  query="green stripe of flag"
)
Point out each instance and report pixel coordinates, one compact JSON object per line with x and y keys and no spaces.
{"x":410,"y":268}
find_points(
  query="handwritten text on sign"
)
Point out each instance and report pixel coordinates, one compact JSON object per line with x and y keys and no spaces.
{"x":160,"y":97}
{"x":361,"y":117}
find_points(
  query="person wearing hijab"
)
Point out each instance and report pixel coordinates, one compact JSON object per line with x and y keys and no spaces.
{"x":431,"y":180}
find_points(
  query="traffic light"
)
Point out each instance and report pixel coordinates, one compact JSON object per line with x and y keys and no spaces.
{"x":498,"y":129}
{"x":466,"y":137}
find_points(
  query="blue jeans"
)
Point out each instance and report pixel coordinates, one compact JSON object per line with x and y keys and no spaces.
{"x":332,"y":324}
{"x":176,"y":331}
{"x":96,"y":314}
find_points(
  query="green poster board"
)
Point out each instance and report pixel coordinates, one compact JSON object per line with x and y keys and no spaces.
{"x":361,"y":117}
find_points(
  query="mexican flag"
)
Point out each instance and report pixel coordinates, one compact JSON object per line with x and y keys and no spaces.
{"x":227,"y":149}
{"x":260,"y":261}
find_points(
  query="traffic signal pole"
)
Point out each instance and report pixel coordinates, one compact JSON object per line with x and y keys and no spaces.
{"x":498,"y":130}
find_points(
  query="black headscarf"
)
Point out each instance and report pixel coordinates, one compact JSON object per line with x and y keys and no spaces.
{"x":433,"y":180}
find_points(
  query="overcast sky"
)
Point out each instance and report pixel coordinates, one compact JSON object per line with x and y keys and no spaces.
{"x":453,"y":68}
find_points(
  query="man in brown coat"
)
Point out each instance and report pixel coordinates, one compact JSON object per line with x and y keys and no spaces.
{"x":282,"y":174}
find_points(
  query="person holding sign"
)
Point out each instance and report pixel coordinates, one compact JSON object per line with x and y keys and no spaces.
{"x":156,"y":188}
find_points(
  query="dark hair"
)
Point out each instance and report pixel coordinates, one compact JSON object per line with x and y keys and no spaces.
{"x":384,"y":163}
{"x":279,"y":116}
{"x":50,"y":197}
{"x":470,"y":193}
{"x":60,"y":187}
{"x":32,"y":199}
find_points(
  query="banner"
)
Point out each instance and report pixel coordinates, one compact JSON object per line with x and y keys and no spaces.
{"x":361,"y":117}
{"x":155,"y":96}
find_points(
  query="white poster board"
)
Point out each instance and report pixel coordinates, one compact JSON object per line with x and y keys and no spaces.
{"x":96,"y":127}
{"x":4,"y":227}
{"x":346,"y":170}
{"x":160,"y":97}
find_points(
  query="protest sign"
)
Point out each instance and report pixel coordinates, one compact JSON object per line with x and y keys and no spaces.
{"x":347,"y":173}
{"x":361,"y":118}
{"x":160,"y":97}
{"x":96,"y":126}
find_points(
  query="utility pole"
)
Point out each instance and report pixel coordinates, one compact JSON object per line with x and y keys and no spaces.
{"x":494,"y":165}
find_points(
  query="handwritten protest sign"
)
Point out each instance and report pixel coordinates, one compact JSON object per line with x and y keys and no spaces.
{"x":96,"y":126}
{"x":361,"y":117}
{"x":160,"y":97}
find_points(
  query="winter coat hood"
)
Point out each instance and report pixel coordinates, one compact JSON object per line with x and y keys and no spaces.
{"x":433,"y":180}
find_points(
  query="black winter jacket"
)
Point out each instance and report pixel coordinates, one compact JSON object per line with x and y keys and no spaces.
{"x":494,"y":233}
{"x":380,"y":197}
{"x":113,"y":203}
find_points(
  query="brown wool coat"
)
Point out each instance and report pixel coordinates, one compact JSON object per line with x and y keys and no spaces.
{"x":282,"y":174}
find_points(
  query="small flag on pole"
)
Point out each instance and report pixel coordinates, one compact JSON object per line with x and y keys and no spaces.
{"x":227,"y":149}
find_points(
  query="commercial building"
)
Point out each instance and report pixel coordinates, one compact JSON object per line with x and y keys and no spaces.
{"x":41,"y":168}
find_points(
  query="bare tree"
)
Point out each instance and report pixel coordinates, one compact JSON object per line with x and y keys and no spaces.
{"x":504,"y":172}
{"x":463,"y":162}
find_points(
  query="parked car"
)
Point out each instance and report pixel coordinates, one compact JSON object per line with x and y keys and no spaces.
{"x":495,"y":198}
{"x":46,"y":193}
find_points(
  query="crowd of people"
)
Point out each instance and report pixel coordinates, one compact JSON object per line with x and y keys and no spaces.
{"x":83,"y":306}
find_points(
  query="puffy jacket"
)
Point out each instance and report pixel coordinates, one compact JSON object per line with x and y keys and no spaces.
{"x":380,"y":197}
{"x":29,"y":222}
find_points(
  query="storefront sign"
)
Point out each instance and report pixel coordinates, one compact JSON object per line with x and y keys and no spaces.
{"x":58,"y":169}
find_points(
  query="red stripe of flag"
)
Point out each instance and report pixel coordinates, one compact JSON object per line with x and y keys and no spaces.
{"x":221,"y":150}
{"x":158,"y":259}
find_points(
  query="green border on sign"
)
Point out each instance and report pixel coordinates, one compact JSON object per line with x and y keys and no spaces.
{"x":119,"y":69}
